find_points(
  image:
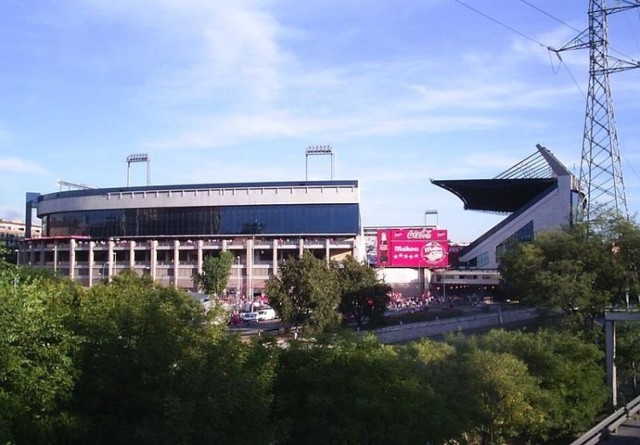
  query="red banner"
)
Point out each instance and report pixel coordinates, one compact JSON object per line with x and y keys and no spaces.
{"x":413,"y":247}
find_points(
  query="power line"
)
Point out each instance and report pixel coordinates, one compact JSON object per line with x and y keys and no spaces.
{"x":571,"y":27}
{"x":566,"y":67}
{"x":501,"y":24}
{"x":549,"y":15}
{"x":530,"y":38}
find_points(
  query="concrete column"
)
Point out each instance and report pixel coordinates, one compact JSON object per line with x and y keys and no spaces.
{"x":200,"y":244}
{"x":72,"y":259}
{"x":249,"y":250}
{"x":610,"y":342}
{"x":110,"y":260}
{"x":132,"y":254}
{"x":327,"y":250}
{"x":274,"y":257}
{"x":176,"y":262}
{"x":55,"y":256}
{"x":154,"y":259}
{"x":92,"y":245}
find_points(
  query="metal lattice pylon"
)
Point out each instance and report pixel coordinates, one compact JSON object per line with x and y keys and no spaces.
{"x":601,"y":180}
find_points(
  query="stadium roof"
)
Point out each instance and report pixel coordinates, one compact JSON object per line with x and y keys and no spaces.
{"x":496,"y":195}
{"x":512,"y":189}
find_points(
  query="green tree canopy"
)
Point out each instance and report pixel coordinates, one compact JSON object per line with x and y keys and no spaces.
{"x":138,"y":340}
{"x":37,"y":372}
{"x":569,"y":372}
{"x":305,"y":292}
{"x":569,"y":269}
{"x":507,"y":395}
{"x":626,"y":260}
{"x":362,"y":293}
{"x":352,"y":392}
{"x":216,"y":271}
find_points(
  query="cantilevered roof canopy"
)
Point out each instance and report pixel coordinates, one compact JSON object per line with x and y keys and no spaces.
{"x":512,"y":189}
{"x":497,"y":195}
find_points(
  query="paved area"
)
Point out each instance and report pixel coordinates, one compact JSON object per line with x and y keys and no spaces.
{"x":627,"y":434}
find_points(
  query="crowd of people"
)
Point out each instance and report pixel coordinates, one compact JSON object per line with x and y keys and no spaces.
{"x":398,"y":301}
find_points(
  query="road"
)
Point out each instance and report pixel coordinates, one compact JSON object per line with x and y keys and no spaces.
{"x":627,"y":434}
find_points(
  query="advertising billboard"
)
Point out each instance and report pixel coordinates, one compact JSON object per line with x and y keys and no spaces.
{"x":413,"y":247}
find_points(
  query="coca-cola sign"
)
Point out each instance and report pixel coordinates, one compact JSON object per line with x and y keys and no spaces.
{"x":418,"y":233}
{"x":413,"y":247}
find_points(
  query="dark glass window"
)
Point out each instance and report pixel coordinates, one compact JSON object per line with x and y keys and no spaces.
{"x":523,"y":235}
{"x":271,"y":220}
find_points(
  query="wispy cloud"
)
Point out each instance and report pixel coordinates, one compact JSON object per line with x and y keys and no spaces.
{"x":14,"y":164}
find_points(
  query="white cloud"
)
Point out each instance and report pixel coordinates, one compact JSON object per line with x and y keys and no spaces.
{"x":14,"y":164}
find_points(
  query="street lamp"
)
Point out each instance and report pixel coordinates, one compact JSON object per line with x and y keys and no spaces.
{"x":103,"y":271}
{"x":111,"y":268}
{"x":444,"y":285}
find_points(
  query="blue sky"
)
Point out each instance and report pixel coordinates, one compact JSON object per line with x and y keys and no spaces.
{"x":403,"y":91}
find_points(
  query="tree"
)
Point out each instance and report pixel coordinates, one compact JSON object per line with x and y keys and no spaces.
{"x":569,"y":373}
{"x":453,"y":416}
{"x":362,"y":293}
{"x":505,"y":392}
{"x":137,"y":338}
{"x":229,"y":386}
{"x":626,"y":259}
{"x":352,"y":392}
{"x":305,"y":292}
{"x":215,"y":273}
{"x":5,"y":253}
{"x":37,"y":371}
{"x":569,"y":269}
{"x":627,"y":352}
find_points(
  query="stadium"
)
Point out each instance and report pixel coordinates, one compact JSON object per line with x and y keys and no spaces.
{"x":167,"y":231}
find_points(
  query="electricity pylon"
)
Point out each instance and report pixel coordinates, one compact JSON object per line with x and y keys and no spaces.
{"x":601,"y":182}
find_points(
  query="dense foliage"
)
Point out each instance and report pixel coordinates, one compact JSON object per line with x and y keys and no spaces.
{"x":134,"y":362}
{"x":584,"y":271}
{"x":305,"y":292}
{"x":315,"y":294}
{"x":215,"y":274}
{"x":579,"y":270}
{"x":363,"y":295}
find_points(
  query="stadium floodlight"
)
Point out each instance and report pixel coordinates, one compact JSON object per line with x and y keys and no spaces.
{"x":428,"y":213}
{"x":138,"y":157}
{"x":318,"y":150}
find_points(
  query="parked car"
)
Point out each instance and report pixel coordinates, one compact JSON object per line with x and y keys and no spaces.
{"x":249,"y":316}
{"x":235,"y":319}
{"x":266,"y":314}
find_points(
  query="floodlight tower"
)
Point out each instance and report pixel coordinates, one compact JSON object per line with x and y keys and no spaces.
{"x":600,"y":169}
{"x":140,"y":157}
{"x":319,"y":150}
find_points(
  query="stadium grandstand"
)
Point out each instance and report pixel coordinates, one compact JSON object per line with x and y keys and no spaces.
{"x":536,"y":194}
{"x":166,"y":231}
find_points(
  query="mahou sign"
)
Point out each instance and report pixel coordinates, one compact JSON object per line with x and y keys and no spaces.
{"x":413,"y":247}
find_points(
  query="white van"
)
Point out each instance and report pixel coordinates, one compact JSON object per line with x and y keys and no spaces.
{"x":266,"y":314}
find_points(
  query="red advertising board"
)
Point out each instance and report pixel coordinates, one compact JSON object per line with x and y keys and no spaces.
{"x":413,"y":247}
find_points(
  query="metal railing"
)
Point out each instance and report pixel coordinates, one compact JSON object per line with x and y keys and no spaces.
{"x":609,"y":425}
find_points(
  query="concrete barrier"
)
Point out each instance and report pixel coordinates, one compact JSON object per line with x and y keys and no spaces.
{"x":414,"y":331}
